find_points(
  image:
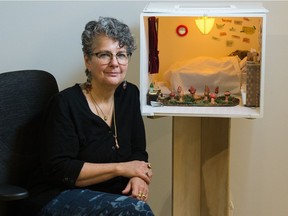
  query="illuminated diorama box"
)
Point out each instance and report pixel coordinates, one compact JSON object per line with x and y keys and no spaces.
{"x":202,"y":59}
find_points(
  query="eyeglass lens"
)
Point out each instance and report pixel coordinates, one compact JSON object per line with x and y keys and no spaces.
{"x":106,"y":57}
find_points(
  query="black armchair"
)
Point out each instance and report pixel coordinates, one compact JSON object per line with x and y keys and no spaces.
{"x":23,"y":96}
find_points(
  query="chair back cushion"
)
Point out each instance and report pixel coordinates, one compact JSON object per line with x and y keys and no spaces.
{"x":23,"y":96}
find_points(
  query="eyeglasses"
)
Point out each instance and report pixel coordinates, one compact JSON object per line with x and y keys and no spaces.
{"x":106,"y":57}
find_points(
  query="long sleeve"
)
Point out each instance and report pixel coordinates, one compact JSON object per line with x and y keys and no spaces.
{"x":61,"y":144}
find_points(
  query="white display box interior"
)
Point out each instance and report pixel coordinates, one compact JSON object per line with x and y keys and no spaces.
{"x":237,"y":27}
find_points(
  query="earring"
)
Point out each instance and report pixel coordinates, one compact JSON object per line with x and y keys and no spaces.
{"x":88,"y":84}
{"x":124,"y":84}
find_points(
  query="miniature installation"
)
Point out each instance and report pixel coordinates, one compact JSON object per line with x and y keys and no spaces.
{"x":237,"y":75}
{"x":178,"y":98}
{"x":236,"y":72}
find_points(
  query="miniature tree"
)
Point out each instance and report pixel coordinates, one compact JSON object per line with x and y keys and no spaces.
{"x":151,"y":88}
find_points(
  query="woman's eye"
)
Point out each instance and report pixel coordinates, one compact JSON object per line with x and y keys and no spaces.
{"x":121,"y":55}
{"x":104,"y":55}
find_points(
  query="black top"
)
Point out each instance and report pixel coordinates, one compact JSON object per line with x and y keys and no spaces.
{"x":73,"y":134}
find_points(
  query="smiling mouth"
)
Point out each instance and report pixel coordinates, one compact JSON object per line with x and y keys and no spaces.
{"x":113,"y":73}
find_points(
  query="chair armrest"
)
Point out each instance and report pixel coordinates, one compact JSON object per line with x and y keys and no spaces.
{"x":12,"y":192}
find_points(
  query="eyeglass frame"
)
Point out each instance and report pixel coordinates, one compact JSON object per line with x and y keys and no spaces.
{"x":112,"y":55}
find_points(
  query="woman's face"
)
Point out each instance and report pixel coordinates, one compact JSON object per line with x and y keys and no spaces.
{"x":103,"y":70}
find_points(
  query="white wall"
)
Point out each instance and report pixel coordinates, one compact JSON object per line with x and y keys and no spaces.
{"x":46,"y":35}
{"x":259,"y":147}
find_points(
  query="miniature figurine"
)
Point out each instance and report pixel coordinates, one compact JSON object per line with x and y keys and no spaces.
{"x":227,"y":95}
{"x":213,"y":96}
{"x":180,"y":93}
{"x":192,"y":91}
{"x":172,"y":96}
{"x":206,"y":92}
{"x":160,"y":96}
{"x":216,"y":90}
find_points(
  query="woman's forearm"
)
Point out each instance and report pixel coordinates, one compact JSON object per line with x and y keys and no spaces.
{"x":92,"y":173}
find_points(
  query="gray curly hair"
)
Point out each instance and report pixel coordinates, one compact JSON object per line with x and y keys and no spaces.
{"x":109,"y":27}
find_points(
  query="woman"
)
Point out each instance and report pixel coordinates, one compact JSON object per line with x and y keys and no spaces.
{"x":94,"y":160}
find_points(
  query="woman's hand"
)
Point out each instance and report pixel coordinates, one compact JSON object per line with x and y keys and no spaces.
{"x":138,"y":169}
{"x":137,"y":188}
